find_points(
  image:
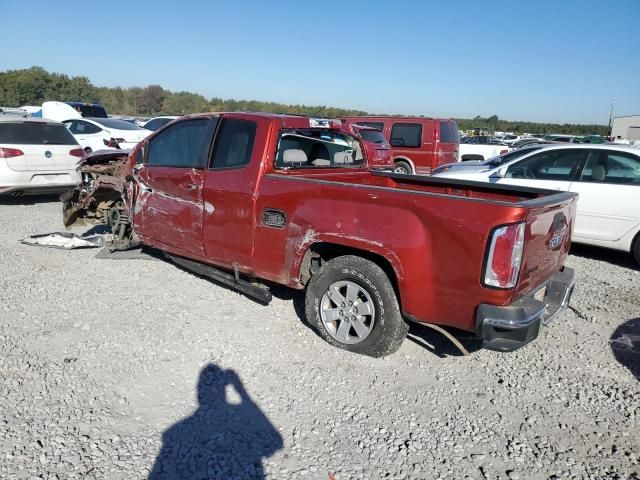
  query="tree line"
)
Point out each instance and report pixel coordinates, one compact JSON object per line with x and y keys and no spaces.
{"x":35,"y":85}
{"x":493,"y":124}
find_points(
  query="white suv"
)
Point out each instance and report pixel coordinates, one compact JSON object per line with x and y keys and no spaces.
{"x":36,"y":156}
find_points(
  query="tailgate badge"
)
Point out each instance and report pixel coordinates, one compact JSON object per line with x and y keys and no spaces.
{"x":556,"y":240}
{"x":555,"y":237}
{"x":47,"y":154}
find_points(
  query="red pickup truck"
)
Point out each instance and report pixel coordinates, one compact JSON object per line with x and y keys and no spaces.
{"x":254,"y":199}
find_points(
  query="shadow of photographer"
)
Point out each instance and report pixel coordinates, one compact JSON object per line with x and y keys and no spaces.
{"x":227,"y":437}
{"x":625,"y":345}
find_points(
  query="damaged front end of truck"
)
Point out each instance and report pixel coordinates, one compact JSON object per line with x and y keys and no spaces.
{"x":100,"y":198}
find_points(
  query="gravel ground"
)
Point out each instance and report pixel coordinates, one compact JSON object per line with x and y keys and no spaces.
{"x":124,"y":369}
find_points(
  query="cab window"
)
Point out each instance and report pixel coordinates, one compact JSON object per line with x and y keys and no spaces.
{"x":179,"y":145}
{"x":318,"y":148}
{"x":234,"y":143}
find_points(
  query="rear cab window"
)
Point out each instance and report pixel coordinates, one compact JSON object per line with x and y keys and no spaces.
{"x":317,"y":148}
{"x":35,"y":133}
{"x":407,"y":135}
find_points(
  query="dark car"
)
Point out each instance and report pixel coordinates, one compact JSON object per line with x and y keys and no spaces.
{"x":89,"y":109}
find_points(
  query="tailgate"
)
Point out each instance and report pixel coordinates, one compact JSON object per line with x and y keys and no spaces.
{"x":550,"y":224}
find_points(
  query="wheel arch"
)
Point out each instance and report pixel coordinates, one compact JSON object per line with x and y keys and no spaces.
{"x":318,"y":253}
{"x":405,"y":159}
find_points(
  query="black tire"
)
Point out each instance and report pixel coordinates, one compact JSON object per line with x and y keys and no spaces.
{"x":402,"y":167}
{"x":635,"y":249}
{"x":388,"y":327}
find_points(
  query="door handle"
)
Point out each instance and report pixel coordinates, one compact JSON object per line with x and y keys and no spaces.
{"x":190,"y":186}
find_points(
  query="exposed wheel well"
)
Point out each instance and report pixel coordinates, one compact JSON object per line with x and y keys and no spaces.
{"x":318,"y":253}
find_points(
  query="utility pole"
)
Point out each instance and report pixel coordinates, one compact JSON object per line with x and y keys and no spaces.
{"x":613,"y":102}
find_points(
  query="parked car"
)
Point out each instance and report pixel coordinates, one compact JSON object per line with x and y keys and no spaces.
{"x":91,"y":110}
{"x":509,"y":139}
{"x":480,"y":147}
{"x":249,"y":199}
{"x":528,"y":141}
{"x":100,"y":133}
{"x":155,"y":123}
{"x":607,"y":178}
{"x":482,"y":140}
{"x":474,"y":165}
{"x":36,"y":156}
{"x":563,"y":138}
{"x":418,"y":144}
{"x":376,"y":148}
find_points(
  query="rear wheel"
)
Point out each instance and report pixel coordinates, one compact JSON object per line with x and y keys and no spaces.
{"x":636,"y":249}
{"x":402,"y":167}
{"x":352,"y":304}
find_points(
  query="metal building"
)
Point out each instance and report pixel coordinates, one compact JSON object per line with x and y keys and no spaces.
{"x":626,"y":127}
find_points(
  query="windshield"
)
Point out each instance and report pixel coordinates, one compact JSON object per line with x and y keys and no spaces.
{"x":35,"y":133}
{"x":318,"y":148}
{"x":116,"y":124}
{"x":507,"y":157}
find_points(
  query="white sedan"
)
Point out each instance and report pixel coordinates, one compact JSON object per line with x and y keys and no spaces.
{"x":36,"y":156}
{"x":100,"y":133}
{"x":606,"y":177}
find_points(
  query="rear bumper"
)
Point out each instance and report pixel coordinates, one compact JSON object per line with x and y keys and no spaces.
{"x":510,"y":327}
{"x":36,"y":181}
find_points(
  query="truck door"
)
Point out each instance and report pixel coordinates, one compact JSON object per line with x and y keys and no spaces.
{"x":169,"y":204}
{"x":229,"y":187}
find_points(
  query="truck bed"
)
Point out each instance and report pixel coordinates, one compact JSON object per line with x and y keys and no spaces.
{"x":433,"y":231}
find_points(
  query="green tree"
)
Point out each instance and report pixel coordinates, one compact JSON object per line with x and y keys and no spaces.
{"x":149,"y":100}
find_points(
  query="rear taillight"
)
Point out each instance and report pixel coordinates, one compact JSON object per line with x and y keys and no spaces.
{"x":503,"y":151}
{"x":77,"y":152}
{"x":10,"y":152}
{"x":505,"y":256}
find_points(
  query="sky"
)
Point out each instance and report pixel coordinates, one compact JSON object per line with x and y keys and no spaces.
{"x":549,"y":61}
